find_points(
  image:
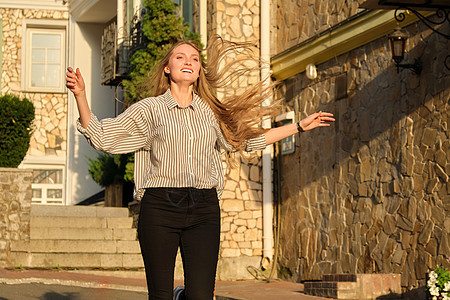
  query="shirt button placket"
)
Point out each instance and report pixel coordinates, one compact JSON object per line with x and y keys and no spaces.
{"x":189,"y":154}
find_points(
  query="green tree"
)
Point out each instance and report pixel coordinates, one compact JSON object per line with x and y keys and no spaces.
{"x":108,"y":169}
{"x":16,"y":117}
{"x":161,"y":27}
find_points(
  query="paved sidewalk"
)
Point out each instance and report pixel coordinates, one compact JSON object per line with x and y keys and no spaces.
{"x":73,"y":285}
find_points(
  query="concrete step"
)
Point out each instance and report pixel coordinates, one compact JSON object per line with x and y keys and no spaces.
{"x":70,"y":233}
{"x":75,"y":260}
{"x":80,"y":222}
{"x":74,"y":246}
{"x":78,"y":211}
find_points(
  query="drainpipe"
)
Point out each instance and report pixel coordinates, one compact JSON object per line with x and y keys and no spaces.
{"x":268,"y":152}
{"x":120,"y":26}
{"x":203,"y":22}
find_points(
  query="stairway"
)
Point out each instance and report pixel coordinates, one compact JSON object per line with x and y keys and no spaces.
{"x":78,"y":237}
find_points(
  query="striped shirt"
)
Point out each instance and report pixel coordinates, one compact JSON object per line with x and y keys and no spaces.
{"x":174,"y":146}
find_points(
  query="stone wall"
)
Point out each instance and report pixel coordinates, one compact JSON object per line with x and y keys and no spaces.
{"x":15,"y":203}
{"x":241,"y":236}
{"x":242,"y":211}
{"x":370,"y":194}
{"x":298,"y":20}
{"x":50,"y":134}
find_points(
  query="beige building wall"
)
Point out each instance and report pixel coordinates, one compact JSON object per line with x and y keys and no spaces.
{"x":241,"y":237}
{"x":55,"y":143}
{"x":298,"y":20}
{"x":50,"y":125}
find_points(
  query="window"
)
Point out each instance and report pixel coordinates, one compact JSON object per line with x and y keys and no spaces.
{"x":47,"y":186}
{"x":186,"y":11}
{"x":44,"y":53}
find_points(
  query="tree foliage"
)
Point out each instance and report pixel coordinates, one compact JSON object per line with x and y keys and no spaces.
{"x":107,"y":169}
{"x":16,"y":117}
{"x":161,"y":27}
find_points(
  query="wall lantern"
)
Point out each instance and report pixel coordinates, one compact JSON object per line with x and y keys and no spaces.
{"x":397,"y":41}
{"x":417,"y":7}
{"x":311,"y":71}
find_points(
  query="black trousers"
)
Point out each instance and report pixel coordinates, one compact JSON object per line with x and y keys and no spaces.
{"x":188,"y":218}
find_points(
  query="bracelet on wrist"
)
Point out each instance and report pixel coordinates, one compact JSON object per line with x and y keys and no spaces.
{"x":299,"y":128}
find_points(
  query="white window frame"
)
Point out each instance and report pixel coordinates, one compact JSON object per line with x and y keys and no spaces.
{"x":47,"y":163}
{"x":48,"y":186}
{"x":49,"y":27}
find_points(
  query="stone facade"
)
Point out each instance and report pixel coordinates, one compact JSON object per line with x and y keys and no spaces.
{"x":242,"y":211}
{"x":298,"y":20}
{"x":370,"y":194}
{"x":15,"y":203}
{"x":241,"y":203}
{"x":50,"y":134}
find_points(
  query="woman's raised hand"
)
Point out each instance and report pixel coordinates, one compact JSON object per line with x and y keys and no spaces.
{"x":320,"y":119}
{"x":74,"y":81}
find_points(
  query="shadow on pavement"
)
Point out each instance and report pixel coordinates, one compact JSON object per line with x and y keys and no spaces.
{"x":58,"y":296}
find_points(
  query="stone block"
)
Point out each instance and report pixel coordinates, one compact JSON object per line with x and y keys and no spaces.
{"x":230,"y":185}
{"x":251,"y":234}
{"x":438,"y":215}
{"x":247,"y":252}
{"x":241,"y":229}
{"x":425,"y":234}
{"x":240,"y":222}
{"x":124,"y":234}
{"x":246,"y":215}
{"x":228,"y":195}
{"x":255,"y":173}
{"x":429,"y":137}
{"x":440,"y":158}
{"x":233,"y":205}
{"x":132,"y":261}
{"x":230,"y":253}
{"x":128,"y":247}
{"x":225,"y":227}
{"x":238,"y":237}
{"x":404,"y":224}
{"x":252,"y":205}
{"x":444,"y":247}
{"x":441,"y":173}
{"x":432,"y":184}
{"x":108,"y":261}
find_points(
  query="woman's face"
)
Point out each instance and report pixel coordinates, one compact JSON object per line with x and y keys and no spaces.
{"x":184,"y":65}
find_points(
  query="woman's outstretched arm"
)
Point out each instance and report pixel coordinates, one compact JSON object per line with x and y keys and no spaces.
{"x":75,"y":84}
{"x":320,"y":119}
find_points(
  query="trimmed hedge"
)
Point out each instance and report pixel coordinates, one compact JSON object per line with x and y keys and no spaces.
{"x":16,"y":117}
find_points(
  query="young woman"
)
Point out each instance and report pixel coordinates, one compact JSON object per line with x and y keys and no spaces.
{"x":177,"y":136}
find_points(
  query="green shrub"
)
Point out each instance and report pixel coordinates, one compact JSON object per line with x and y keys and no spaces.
{"x":16,"y":117}
{"x":107,"y":169}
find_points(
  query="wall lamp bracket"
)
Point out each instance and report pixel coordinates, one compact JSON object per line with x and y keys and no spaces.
{"x":416,"y":66}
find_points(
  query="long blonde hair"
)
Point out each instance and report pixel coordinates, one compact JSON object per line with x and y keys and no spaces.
{"x":239,"y":116}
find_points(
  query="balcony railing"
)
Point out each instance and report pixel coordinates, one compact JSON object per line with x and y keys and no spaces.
{"x":116,"y":53}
